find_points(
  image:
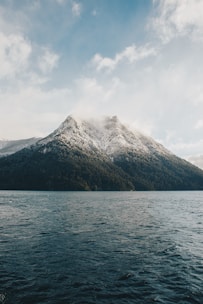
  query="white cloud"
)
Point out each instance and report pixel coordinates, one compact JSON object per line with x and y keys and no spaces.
{"x":199,"y":124}
{"x":32,"y":111}
{"x":76,"y":8}
{"x":19,"y":59}
{"x":179,"y":18}
{"x":25,"y":66}
{"x":22,"y":61}
{"x":186,"y":149}
{"x":48,"y":61}
{"x":15,"y":52}
{"x":131,"y":54}
{"x":94,"y":97}
{"x":88,"y":93}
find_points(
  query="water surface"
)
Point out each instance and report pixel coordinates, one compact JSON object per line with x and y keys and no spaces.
{"x":101,"y":247}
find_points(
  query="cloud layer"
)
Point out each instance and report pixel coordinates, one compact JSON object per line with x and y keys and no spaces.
{"x":179,"y":18}
{"x":54,"y":61}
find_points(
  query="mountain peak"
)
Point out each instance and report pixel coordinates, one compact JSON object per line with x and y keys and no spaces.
{"x":69,"y":122}
{"x":107,"y":135}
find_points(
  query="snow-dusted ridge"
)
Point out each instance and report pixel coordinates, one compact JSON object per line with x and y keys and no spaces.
{"x":108,"y":135}
{"x":8,"y":147}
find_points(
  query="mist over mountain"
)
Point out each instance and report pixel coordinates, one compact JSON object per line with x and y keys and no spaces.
{"x":97,"y":155}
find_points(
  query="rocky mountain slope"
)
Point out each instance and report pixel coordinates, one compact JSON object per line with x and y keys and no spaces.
{"x":97,"y":155}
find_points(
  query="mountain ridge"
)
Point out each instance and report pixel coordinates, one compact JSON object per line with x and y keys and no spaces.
{"x":8,"y":147}
{"x":97,"y":155}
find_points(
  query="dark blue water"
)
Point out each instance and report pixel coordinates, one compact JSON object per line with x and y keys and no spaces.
{"x":119,"y":247}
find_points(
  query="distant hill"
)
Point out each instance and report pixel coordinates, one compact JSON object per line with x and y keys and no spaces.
{"x":8,"y":147}
{"x":97,"y":155}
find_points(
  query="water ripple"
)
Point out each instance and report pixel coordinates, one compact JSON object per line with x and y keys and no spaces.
{"x":101,"y":247}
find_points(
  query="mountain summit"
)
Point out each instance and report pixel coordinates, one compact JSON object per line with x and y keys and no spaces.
{"x":97,"y":155}
{"x":107,"y":135}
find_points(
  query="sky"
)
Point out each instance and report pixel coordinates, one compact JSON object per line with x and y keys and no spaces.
{"x":141,"y":60}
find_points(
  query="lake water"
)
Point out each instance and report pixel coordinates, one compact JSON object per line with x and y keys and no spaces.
{"x":101,"y":247}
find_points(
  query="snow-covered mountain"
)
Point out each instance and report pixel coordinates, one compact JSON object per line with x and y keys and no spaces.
{"x":97,"y":155}
{"x":107,"y":135}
